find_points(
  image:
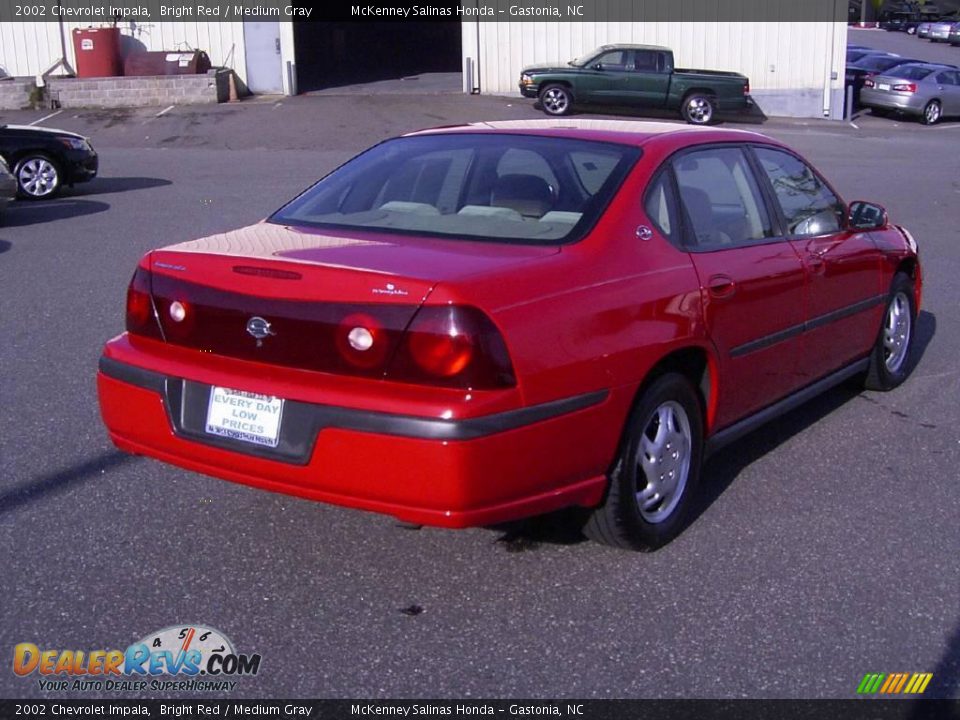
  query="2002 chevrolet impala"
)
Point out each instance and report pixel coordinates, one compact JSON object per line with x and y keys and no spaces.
{"x":469,"y":325}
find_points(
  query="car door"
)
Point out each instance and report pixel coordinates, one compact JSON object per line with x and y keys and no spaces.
{"x":605,"y":78}
{"x":843,"y":298}
{"x":752,"y":282}
{"x":649,"y":79}
{"x":948,"y":85}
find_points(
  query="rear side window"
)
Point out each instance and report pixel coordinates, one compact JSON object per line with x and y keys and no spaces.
{"x":910,"y":72}
{"x":721,"y":199}
{"x":808,"y":205}
{"x":660,"y":203}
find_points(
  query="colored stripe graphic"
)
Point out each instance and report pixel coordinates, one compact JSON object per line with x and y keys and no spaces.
{"x":894,"y":683}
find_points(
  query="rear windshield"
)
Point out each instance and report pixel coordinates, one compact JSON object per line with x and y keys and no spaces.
{"x":879,"y":63}
{"x":498,"y":187}
{"x":910,"y":72}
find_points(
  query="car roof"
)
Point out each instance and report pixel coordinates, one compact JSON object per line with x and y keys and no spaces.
{"x":623,"y":132}
{"x":632,"y":46}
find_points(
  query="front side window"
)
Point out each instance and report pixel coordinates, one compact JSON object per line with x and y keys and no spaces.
{"x":809,"y":207}
{"x":477,"y":186}
{"x":720,"y":196}
{"x":613,"y":60}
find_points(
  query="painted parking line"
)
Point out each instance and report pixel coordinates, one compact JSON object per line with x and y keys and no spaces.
{"x":165,"y":110}
{"x":46,"y":117}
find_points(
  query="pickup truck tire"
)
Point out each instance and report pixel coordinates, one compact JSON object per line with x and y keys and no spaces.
{"x":556,"y":100}
{"x":698,"y":108}
{"x":657,"y":471}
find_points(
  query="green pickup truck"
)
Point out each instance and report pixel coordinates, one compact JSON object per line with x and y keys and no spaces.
{"x":636,"y":75}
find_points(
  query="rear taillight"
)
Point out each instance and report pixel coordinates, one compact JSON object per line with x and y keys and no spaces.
{"x":746,"y":88}
{"x":868,"y":81}
{"x":453,"y":346}
{"x":141,"y":319}
{"x":906,"y":87}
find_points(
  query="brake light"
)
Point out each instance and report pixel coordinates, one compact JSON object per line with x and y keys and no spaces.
{"x":454,"y":346}
{"x":906,"y":87}
{"x":868,"y":81}
{"x":746,"y":88}
{"x":141,"y":319}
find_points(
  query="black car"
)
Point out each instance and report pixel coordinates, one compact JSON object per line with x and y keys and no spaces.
{"x":904,"y":21}
{"x":43,"y":160}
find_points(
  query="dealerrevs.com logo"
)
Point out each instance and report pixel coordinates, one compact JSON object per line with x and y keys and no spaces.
{"x":199,"y":658}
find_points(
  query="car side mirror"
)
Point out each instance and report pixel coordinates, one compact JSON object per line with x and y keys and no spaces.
{"x":597,"y":66}
{"x":866,"y":216}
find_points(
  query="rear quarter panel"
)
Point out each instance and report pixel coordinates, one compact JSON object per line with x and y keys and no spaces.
{"x":597,"y":316}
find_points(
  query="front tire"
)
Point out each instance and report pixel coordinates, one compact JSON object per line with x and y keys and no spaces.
{"x":657,"y":471}
{"x":556,"y":100}
{"x":890,"y":359}
{"x":38,"y":177}
{"x":932,"y":112}
{"x":698,"y":109}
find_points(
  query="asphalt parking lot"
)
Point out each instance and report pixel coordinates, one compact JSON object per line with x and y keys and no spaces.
{"x":826,"y":545}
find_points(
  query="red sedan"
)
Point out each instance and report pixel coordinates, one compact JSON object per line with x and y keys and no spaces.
{"x":470,"y":325}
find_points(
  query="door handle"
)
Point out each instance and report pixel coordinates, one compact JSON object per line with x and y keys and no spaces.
{"x":721,"y":286}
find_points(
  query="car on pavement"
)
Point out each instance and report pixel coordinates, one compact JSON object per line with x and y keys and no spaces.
{"x":926,"y":90}
{"x":470,"y":325}
{"x":637,"y":76}
{"x":954,"y":36}
{"x":940,"y":30}
{"x":868,"y":65}
{"x":8,"y":187}
{"x":43,"y":160}
{"x":901,"y":21}
{"x":923,"y":29}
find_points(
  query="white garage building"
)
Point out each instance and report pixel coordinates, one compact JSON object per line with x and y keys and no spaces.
{"x":795,"y":68}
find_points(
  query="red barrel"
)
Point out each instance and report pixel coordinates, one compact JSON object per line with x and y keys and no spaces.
{"x":97,"y":51}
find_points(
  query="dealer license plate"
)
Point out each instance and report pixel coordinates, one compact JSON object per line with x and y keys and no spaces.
{"x":244,"y":416}
{"x":882,"y":86}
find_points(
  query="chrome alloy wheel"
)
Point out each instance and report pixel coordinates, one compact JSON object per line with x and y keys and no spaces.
{"x":931,"y":113}
{"x":38,"y":177}
{"x":897,"y":326}
{"x":555,"y":101}
{"x":663,"y":461}
{"x":699,"y":110}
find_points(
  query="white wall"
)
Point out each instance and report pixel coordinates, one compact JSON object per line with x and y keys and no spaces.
{"x":29,"y":48}
{"x":789,"y":63}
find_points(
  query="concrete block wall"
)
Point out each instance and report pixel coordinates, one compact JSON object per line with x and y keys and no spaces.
{"x":140,"y":91}
{"x":15,"y":93}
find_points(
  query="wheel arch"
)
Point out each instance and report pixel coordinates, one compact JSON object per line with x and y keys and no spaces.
{"x":699,"y":365}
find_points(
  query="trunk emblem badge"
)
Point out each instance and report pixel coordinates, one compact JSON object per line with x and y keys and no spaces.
{"x":259,"y":328}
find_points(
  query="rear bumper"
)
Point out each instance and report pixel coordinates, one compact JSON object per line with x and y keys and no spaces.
{"x":448,"y":473}
{"x":891,"y":101}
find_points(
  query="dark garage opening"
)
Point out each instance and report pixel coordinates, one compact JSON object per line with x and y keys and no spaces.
{"x":331,"y":54}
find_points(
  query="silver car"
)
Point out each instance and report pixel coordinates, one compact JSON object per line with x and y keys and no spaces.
{"x":940,"y":30}
{"x":925,"y":89}
{"x":8,"y":186}
{"x":923,"y":29}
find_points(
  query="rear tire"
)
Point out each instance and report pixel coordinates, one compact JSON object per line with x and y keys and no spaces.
{"x":698,"y":108}
{"x":657,"y":471}
{"x":890,"y":359}
{"x":556,"y":100}
{"x":932,"y":112}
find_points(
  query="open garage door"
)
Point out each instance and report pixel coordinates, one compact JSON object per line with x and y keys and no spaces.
{"x":331,"y":54}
